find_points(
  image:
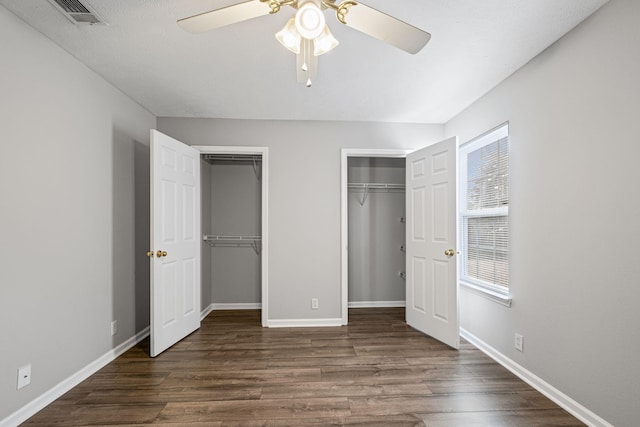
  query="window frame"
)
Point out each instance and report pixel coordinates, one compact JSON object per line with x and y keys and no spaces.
{"x":495,"y":292}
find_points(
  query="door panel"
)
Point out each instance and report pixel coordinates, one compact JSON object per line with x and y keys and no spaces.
{"x":440,"y":292}
{"x":169,"y":286}
{"x":432,"y":289}
{"x":418,"y":277}
{"x":175,"y":227}
{"x":417,"y":208}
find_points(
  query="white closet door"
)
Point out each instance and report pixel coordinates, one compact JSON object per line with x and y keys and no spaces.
{"x":432,"y":288}
{"x":175,"y":241}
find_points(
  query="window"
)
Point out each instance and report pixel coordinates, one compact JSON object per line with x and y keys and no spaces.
{"x":484,"y":211}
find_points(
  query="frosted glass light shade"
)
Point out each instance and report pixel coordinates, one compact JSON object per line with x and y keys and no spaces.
{"x":324,"y":42}
{"x":289,"y":36}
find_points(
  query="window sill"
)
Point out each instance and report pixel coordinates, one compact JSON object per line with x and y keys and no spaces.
{"x":497,"y":297}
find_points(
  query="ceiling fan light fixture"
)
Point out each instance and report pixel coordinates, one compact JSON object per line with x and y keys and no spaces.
{"x":289,"y":36}
{"x":307,"y":34}
{"x":324,"y":42}
{"x":309,"y":20}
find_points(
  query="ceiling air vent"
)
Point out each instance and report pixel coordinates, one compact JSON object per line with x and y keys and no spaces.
{"x":77,"y":12}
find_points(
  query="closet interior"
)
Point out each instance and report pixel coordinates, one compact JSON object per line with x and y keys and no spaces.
{"x":376,"y":223}
{"x":231,"y":226}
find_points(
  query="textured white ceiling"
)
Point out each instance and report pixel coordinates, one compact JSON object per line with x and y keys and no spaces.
{"x":241,"y":71}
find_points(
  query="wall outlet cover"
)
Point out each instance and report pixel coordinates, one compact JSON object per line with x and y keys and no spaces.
{"x":24,"y":376}
{"x":519,"y":342}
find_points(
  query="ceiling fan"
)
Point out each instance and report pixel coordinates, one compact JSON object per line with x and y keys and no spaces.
{"x":307,"y":34}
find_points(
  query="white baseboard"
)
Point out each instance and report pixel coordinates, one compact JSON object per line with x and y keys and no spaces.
{"x":229,"y":306}
{"x":204,"y":313}
{"x":284,"y":323}
{"x":237,"y":306}
{"x":303,"y":323}
{"x":40,"y":402}
{"x":564,"y":401}
{"x":375,"y":304}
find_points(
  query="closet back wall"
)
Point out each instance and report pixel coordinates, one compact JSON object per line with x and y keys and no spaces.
{"x":235,"y":210}
{"x":207,"y":251}
{"x":376,"y":233}
{"x":304,"y":197}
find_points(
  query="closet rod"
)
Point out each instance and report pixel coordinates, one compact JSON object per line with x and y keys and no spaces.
{"x":234,"y":157}
{"x":215,"y":237}
{"x":376,"y":186}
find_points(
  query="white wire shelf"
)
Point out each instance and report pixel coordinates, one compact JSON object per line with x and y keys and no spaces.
{"x":366,"y":187}
{"x":252,"y":158}
{"x":234,"y":241}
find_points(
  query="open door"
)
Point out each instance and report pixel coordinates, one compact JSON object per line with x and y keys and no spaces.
{"x":175,"y":241}
{"x":432,"y":286}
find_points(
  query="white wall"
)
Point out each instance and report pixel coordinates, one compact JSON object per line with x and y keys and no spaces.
{"x":304,"y":196}
{"x":575,"y":204}
{"x":69,"y":181}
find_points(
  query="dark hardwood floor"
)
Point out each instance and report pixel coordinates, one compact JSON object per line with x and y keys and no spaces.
{"x":375,"y":372}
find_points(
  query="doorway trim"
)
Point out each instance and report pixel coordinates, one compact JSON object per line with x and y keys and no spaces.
{"x":344,"y":213}
{"x":264,"y":252}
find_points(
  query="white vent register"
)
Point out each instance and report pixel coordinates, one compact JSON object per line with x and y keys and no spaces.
{"x":77,"y":12}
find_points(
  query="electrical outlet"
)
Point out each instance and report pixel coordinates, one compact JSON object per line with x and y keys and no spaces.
{"x":24,"y":376}
{"x":519,"y":343}
{"x":114,"y":327}
{"x":314,"y":303}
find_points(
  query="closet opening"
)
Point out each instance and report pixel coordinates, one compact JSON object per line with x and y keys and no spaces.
{"x":374,"y":263}
{"x":376,"y":232}
{"x":431,"y":280}
{"x":234,"y":243}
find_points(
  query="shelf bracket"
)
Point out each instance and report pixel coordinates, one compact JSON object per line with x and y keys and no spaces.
{"x":364,"y":196}
{"x":255,"y":169}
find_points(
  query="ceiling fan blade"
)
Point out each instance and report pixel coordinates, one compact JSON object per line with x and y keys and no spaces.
{"x":224,"y":16}
{"x":386,"y":28}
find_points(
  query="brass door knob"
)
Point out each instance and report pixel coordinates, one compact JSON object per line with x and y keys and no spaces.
{"x":450,"y":252}
{"x":150,"y":254}
{"x":160,"y":253}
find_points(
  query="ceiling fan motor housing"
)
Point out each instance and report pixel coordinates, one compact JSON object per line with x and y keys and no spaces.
{"x":310,"y":20}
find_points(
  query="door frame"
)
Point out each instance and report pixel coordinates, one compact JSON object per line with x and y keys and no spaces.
{"x":344,"y":213}
{"x":264,"y":252}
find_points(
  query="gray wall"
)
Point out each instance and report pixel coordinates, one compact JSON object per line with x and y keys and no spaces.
{"x":71,"y":182}
{"x":304,"y":196}
{"x":235,"y":210}
{"x":376,"y":232}
{"x":575,"y":205}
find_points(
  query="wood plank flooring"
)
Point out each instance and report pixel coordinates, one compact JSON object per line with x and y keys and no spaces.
{"x":375,"y":372}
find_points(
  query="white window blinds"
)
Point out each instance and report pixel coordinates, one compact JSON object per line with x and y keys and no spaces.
{"x":487,"y":249}
{"x":488,"y":176}
{"x":484,"y":216}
